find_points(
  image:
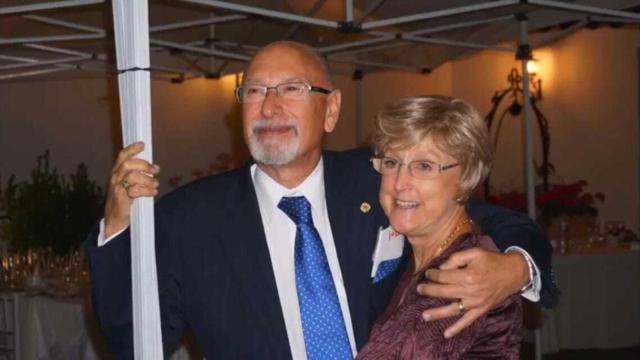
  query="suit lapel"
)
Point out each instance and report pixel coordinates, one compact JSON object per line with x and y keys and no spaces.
{"x":250,"y":261}
{"x":353,"y":245}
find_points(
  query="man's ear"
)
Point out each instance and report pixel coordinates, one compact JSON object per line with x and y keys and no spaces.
{"x":334,"y":101}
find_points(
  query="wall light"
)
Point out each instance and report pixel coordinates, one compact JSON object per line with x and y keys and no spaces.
{"x":532,"y":67}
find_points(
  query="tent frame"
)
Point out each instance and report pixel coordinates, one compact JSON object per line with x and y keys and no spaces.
{"x":341,"y":53}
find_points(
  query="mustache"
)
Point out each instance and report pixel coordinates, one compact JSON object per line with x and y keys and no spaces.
{"x":262,"y":124}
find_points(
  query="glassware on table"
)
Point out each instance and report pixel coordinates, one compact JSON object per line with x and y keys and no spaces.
{"x":564,"y":239}
{"x":594,"y":236}
{"x":613,"y":229}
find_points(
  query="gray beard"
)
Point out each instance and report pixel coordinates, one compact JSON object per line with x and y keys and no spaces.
{"x":273,"y":152}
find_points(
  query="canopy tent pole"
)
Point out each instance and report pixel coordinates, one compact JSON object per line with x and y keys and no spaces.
{"x":13,"y":10}
{"x":586,"y":9}
{"x":523,"y":55}
{"x":487,"y":5}
{"x":211,"y":20}
{"x":131,"y":27}
{"x":348,"y":11}
{"x":358,"y":75}
{"x":266,"y":12}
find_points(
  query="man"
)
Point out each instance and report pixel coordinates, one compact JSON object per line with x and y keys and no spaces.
{"x":274,"y":260}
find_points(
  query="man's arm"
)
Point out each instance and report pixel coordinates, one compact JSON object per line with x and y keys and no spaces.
{"x":482,"y":279}
{"x":108,"y":249}
{"x":509,"y":229}
{"x":110,"y":268}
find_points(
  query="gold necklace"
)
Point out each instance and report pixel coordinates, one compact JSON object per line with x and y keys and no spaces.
{"x":445,"y":243}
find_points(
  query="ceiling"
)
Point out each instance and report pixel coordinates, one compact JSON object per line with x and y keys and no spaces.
{"x":195,"y":38}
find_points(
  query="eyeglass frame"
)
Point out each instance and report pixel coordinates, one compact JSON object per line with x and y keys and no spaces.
{"x":309,"y":87}
{"x":379,"y":159}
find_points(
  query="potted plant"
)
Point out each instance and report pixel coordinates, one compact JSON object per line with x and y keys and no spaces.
{"x":49,"y":209}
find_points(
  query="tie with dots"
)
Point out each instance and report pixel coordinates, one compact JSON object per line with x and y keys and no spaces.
{"x":325,"y":335}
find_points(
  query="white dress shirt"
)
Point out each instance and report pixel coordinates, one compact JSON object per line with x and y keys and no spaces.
{"x":280,"y":232}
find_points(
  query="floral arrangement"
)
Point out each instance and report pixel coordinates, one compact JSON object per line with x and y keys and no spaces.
{"x":561,"y":200}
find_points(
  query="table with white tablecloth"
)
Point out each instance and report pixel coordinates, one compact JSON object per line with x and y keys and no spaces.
{"x":55,"y":328}
{"x":600,"y":303}
{"x":60,"y":328}
{"x":599,"y":308}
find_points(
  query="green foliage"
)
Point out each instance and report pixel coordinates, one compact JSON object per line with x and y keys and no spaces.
{"x":49,"y":210}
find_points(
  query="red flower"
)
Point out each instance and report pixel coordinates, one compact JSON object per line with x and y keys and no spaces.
{"x":565,"y":199}
{"x":586,"y":198}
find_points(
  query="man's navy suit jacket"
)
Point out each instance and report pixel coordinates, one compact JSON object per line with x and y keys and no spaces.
{"x":214,"y":269}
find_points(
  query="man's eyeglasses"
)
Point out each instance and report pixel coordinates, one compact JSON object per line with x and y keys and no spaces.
{"x":419,"y":169}
{"x":298,"y":90}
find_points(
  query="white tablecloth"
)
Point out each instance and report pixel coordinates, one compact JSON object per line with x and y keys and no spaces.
{"x":600,"y":303}
{"x":54,"y":328}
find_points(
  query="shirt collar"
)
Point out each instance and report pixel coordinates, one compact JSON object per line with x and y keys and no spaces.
{"x":270,"y":191}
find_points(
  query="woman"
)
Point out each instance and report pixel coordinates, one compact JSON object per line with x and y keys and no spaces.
{"x":432,"y":152}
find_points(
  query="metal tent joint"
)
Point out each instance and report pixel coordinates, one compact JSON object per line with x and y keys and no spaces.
{"x":524,"y":52}
{"x":349,"y":27}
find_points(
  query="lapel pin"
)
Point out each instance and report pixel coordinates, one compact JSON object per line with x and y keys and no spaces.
{"x":365,"y":207}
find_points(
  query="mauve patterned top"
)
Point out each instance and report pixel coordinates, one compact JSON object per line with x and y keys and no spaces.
{"x":400,"y":333}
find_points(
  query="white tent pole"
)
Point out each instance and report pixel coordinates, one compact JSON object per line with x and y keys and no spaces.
{"x":43,"y":63}
{"x":265,"y":12}
{"x":33,"y":73}
{"x":17,"y":58}
{"x":131,"y":28}
{"x":312,"y":11}
{"x":54,"y":38}
{"x":38,"y":72}
{"x":85,"y":56}
{"x":459,"y":25}
{"x":46,"y":6}
{"x":349,"y":45}
{"x":387,"y":37}
{"x":212,"y":45}
{"x":373,"y":6}
{"x":528,"y":126}
{"x":439,"y":13}
{"x":558,"y":35}
{"x":199,"y":50}
{"x":195,"y":23}
{"x":348,"y":11}
{"x":64,"y":24}
{"x":614,"y":19}
{"x":458,"y":44}
{"x":153,"y":29}
{"x":375,"y":64}
{"x":100,"y":33}
{"x":358,"y":78}
{"x":584,"y":9}
{"x":369,"y":48}
{"x":62,"y":51}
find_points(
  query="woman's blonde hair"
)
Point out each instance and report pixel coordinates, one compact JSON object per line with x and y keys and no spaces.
{"x":455,"y":127}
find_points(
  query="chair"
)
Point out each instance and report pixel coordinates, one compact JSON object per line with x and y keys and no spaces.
{"x":9,"y":334}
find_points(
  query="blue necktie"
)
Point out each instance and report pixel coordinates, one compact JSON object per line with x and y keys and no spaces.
{"x":325,"y":334}
{"x":385,"y":268}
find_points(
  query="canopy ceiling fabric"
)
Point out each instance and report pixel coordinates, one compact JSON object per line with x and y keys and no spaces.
{"x":55,"y":39}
